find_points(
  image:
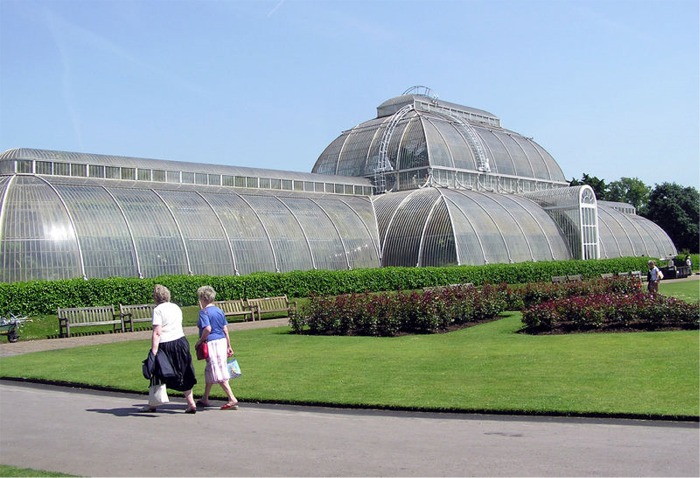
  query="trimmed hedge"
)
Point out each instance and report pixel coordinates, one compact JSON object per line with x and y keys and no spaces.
{"x":44,"y":297}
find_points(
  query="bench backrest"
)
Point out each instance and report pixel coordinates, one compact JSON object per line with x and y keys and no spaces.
{"x":231,"y":306}
{"x":270,"y":303}
{"x":88,"y":315}
{"x":558,"y":279}
{"x":138,"y":311}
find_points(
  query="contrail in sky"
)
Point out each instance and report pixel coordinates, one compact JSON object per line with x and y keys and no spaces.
{"x":277,"y":7}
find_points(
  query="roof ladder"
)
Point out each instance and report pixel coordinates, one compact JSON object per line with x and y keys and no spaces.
{"x":477,"y":147}
{"x":383,"y":164}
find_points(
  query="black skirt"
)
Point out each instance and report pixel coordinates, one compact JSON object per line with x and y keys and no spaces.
{"x":178,"y":351}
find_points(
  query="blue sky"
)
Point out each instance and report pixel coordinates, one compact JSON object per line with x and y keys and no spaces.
{"x":609,"y":88}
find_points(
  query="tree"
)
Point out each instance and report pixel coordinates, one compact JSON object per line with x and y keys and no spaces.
{"x":676,"y":209}
{"x":632,"y":191}
{"x":598,"y":185}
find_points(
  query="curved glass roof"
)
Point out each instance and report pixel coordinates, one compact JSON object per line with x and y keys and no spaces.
{"x":417,"y":133}
{"x":626,"y":235}
{"x":58,"y":228}
{"x":101,"y":166}
{"x":437,"y":226}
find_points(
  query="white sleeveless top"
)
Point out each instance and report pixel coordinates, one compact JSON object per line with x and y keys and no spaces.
{"x":169,"y":317}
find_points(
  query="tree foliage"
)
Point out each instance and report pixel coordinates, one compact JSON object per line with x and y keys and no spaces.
{"x":676,"y":210}
{"x":598,"y":185}
{"x":630,"y":190}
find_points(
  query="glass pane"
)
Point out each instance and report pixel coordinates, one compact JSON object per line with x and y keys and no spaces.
{"x":207,"y":247}
{"x":247,"y":235}
{"x":156,"y":236}
{"x":128,"y":173}
{"x":104,"y":237}
{"x":38,"y":240}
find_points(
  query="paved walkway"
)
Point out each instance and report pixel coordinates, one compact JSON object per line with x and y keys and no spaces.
{"x":89,"y":433}
{"x":25,"y":346}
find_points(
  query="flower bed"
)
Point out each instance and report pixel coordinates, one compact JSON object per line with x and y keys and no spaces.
{"x":611,"y":311}
{"x":390,"y":314}
{"x":536,"y":293}
{"x":604,"y":304}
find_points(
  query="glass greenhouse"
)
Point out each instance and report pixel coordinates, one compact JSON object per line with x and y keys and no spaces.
{"x":425,"y":183}
{"x":56,"y":226}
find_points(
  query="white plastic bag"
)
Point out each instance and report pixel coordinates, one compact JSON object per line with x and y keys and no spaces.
{"x":234,"y":369}
{"x":157,"y":395}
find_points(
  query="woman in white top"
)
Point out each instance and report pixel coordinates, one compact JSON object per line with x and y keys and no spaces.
{"x":654,"y":278}
{"x":169,"y":338}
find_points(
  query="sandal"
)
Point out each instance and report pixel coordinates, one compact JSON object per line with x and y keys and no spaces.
{"x":230,"y":406}
{"x":191,"y":410}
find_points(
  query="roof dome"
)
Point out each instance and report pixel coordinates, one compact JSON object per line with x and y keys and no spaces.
{"x":416,"y":137}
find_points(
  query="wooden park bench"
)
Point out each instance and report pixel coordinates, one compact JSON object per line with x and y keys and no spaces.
{"x":237,"y":308}
{"x":276,"y":305}
{"x":574,"y":278}
{"x":558,"y":279}
{"x":87,"y":317}
{"x":608,"y":275}
{"x":136,"y":313}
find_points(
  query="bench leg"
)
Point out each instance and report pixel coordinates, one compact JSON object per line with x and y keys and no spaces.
{"x":63,"y":329}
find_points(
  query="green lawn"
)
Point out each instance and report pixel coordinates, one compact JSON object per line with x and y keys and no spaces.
{"x":6,"y":470}
{"x":485,"y":368}
{"x":490,"y":368}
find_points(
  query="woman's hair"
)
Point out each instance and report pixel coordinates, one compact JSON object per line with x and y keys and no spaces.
{"x":161,"y":294}
{"x":206,"y":294}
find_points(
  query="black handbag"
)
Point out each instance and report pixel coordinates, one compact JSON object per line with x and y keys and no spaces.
{"x":148,"y":366}
{"x":158,"y":365}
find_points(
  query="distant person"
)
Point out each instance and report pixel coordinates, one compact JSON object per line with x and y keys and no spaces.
{"x":688,"y":262}
{"x":169,"y":338}
{"x":654,"y":278}
{"x":213,"y":329}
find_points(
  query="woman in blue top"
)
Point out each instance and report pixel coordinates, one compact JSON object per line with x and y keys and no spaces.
{"x":213,"y":329}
